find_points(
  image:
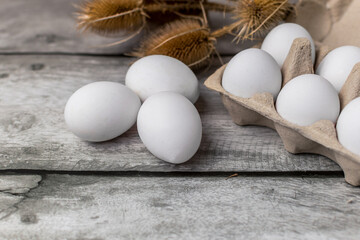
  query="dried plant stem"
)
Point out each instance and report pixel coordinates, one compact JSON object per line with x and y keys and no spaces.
{"x":189,"y":16}
{"x":204,"y":13}
{"x":228,"y":29}
{"x":167,"y":7}
{"x":219,"y":57}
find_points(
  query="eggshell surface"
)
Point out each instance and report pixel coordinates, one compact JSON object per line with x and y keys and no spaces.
{"x":279,"y":40}
{"x":101,"y":111}
{"x":159,"y":73}
{"x":337,"y":65}
{"x":170,"y":127}
{"x":348,"y":126}
{"x":252,"y":71}
{"x":307,"y":99}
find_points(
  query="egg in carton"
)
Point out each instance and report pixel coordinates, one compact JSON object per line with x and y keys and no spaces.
{"x":318,"y":138}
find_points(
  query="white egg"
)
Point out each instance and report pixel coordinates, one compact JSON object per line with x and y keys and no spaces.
{"x":170,"y":127}
{"x":348,"y":126}
{"x":279,"y":40}
{"x":307,"y":99}
{"x":101,"y":111}
{"x":158,"y":73}
{"x":337,"y":65}
{"x":252,"y":71}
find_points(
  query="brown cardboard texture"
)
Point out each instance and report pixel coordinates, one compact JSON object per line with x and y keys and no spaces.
{"x":332,"y":22}
{"x":320,"y":137}
{"x":346,"y":30}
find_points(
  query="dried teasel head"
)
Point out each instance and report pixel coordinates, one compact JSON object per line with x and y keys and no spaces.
{"x":255,"y":18}
{"x":187,"y":40}
{"x":111,"y":16}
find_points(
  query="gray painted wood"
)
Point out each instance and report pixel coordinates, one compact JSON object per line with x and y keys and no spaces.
{"x":18,"y":184}
{"x":153,"y":207}
{"x":33,"y":93}
{"x":12,"y":191}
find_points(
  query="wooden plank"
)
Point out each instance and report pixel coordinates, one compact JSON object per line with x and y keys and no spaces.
{"x":12,"y":190}
{"x":155,"y":207}
{"x":25,"y":27}
{"x":33,"y":93}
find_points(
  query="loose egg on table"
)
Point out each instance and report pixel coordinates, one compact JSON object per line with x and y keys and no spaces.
{"x":252,"y":71}
{"x":101,"y":111}
{"x":337,"y":65}
{"x":170,"y":127}
{"x":348,"y":126}
{"x":159,"y":73}
{"x":279,"y":40}
{"x":307,"y":99}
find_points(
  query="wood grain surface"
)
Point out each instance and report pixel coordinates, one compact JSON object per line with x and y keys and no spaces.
{"x":33,"y":135}
{"x":182,"y":207}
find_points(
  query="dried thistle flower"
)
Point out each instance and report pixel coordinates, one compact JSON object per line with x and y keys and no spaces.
{"x":187,"y":40}
{"x":255,"y":18}
{"x":111,"y":16}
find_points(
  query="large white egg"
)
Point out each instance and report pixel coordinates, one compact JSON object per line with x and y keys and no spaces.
{"x":279,"y":40}
{"x":252,"y":71}
{"x":170,"y":127}
{"x":348,"y":126}
{"x":158,"y":73}
{"x":337,"y":65}
{"x":307,"y":99}
{"x":101,"y":111}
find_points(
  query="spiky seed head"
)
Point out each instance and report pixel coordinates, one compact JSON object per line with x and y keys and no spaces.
{"x":257,"y":17}
{"x":111,"y":16}
{"x":186,"y":39}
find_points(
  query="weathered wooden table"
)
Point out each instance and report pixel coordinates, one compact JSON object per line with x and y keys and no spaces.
{"x":55,"y":186}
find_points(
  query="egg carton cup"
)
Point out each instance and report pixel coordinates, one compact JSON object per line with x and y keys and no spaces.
{"x":318,"y":138}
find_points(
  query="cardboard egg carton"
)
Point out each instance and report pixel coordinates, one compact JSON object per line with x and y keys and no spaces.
{"x":318,"y":138}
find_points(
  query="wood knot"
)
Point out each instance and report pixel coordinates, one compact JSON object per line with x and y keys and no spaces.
{"x":4,"y":75}
{"x":29,"y":219}
{"x":37,"y":66}
{"x":18,"y":122}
